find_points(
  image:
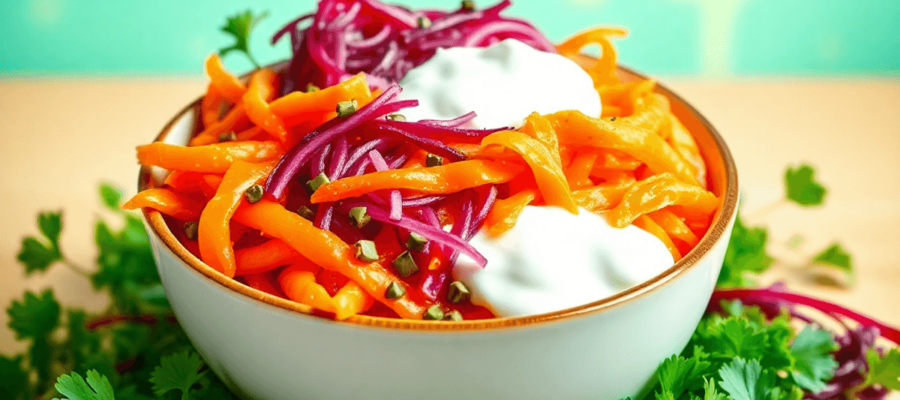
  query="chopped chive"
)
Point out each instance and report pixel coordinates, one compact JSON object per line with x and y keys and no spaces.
{"x":396,"y":117}
{"x":359,"y":217}
{"x":423,"y":22}
{"x":311,"y":88}
{"x":316,"y":182}
{"x":346,"y":108}
{"x":434,"y":313}
{"x":612,"y":119}
{"x":416,"y":242}
{"x":394,"y":291}
{"x":366,"y":251}
{"x":228,"y":137}
{"x":433,"y":160}
{"x":458,"y":292}
{"x":190,"y":230}
{"x":306,"y":213}
{"x":468,"y":5}
{"x":254,"y":193}
{"x":454,"y":315}
{"x":405,"y":265}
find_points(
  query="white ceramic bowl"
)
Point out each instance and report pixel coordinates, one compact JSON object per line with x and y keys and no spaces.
{"x":269,"y":348}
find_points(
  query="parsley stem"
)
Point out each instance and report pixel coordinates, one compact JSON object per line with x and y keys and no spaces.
{"x":74,"y":267}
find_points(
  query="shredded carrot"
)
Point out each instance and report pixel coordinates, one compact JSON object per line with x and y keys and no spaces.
{"x":540,"y":128}
{"x":299,"y":283}
{"x":505,"y":213}
{"x":575,"y":128}
{"x":167,"y":202}
{"x":614,"y":159}
{"x":683,"y":143}
{"x":324,"y":100}
{"x":548,"y":173}
{"x":644,"y":222}
{"x":184,"y":181}
{"x":214,"y":231}
{"x":326,"y":250}
{"x":579,"y":171}
{"x":237,"y":116}
{"x":253,"y":133}
{"x":602,"y":70}
{"x":209,"y":106}
{"x":600,"y":197}
{"x":611,"y":176}
{"x":265,"y":257}
{"x":213,"y":158}
{"x":447,"y":178}
{"x":658,"y":192}
{"x":675,"y":228}
{"x":256,"y":100}
{"x":263,"y":283}
{"x":228,"y":85}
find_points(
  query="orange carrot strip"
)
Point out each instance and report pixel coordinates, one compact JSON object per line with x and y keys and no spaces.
{"x":505,"y":212}
{"x":540,"y":128}
{"x":225,"y":83}
{"x":579,"y":171}
{"x":264,"y":257}
{"x":214,"y":232}
{"x":601,"y":197}
{"x":249,"y":134}
{"x":256,"y":100}
{"x":683,"y":143}
{"x":166,"y":201}
{"x":213,"y":158}
{"x":658,"y":192}
{"x":184,"y":181}
{"x":613,"y":175}
{"x":601,"y":70}
{"x":209,"y":106}
{"x":576,"y":128}
{"x":675,"y":228}
{"x":324,"y":100}
{"x":351,"y":300}
{"x":644,"y":222}
{"x":548,"y":173}
{"x":210,"y":185}
{"x":447,"y":178}
{"x":299,"y":283}
{"x":326,"y":250}
{"x":262,"y":283}
{"x":235,"y":117}
{"x":614,"y":159}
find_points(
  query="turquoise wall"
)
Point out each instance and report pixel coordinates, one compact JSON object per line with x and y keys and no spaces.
{"x":705,"y":37}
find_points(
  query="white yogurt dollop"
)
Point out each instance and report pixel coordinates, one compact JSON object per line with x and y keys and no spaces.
{"x":552,"y":260}
{"x":503,"y":84}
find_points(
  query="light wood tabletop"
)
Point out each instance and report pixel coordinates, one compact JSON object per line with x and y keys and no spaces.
{"x":61,"y":137}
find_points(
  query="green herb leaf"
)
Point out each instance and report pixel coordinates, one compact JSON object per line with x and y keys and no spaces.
{"x":15,"y":378}
{"x":179,"y":371}
{"x":837,"y":257}
{"x":746,"y":253}
{"x":884,"y":369}
{"x":239,"y":27}
{"x":74,"y":387}
{"x":746,"y":380}
{"x":678,"y":374}
{"x":37,"y":256}
{"x":34,"y":317}
{"x":814,"y":363}
{"x":50,"y":224}
{"x":801,"y":187}
{"x":710,"y":392}
{"x":111,"y":196}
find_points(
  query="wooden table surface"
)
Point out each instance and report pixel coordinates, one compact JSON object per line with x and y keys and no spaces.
{"x":61,"y":137}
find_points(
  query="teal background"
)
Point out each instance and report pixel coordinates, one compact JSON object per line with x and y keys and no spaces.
{"x":672,"y":37}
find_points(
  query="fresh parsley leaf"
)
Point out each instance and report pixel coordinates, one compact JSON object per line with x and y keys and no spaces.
{"x":801,"y":187}
{"x":74,"y":387}
{"x":837,"y":257}
{"x":34,"y":317}
{"x":710,"y":392}
{"x":38,"y":254}
{"x":678,"y":374}
{"x":239,"y":27}
{"x":125,"y":263}
{"x":111,"y":196}
{"x":884,"y":369}
{"x":179,"y":371}
{"x":746,"y":380}
{"x":15,"y":378}
{"x":814,"y":363}
{"x":746,"y":254}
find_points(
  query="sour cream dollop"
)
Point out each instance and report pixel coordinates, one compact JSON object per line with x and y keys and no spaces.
{"x":503,"y":84}
{"x":552,"y":260}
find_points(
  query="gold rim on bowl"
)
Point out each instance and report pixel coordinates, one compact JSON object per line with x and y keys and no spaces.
{"x":719,"y":164}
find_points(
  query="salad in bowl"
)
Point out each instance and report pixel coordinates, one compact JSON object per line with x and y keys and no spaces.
{"x":444,"y":184}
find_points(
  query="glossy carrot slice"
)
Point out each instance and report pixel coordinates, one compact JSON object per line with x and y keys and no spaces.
{"x":644,"y":222}
{"x":324,"y":100}
{"x":213,"y":158}
{"x":228,"y":85}
{"x":505,"y":213}
{"x":264,"y":257}
{"x":236,"y":117}
{"x":601,"y":197}
{"x":256,"y":100}
{"x":166,"y":201}
{"x":263,"y":283}
{"x":658,"y":192}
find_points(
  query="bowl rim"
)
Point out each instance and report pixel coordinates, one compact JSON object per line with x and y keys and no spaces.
{"x":723,"y":218}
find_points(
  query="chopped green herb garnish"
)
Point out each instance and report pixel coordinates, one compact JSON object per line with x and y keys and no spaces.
{"x":801,"y":187}
{"x":433,"y":160}
{"x":366,"y":251}
{"x":453,"y":316}
{"x":346,"y":108}
{"x":311,"y":88}
{"x":468,"y":5}
{"x":358,"y":217}
{"x":254,"y":194}
{"x":423,"y":22}
{"x":316,"y":182}
{"x":190,"y":230}
{"x":434,"y":313}
{"x":394,"y":291}
{"x":306,"y":213}
{"x":405,"y":265}
{"x":458,"y":292}
{"x":416,"y":242}
{"x":228,"y":137}
{"x":396,"y":117}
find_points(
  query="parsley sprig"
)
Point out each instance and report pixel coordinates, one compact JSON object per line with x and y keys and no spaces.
{"x":239,"y":27}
